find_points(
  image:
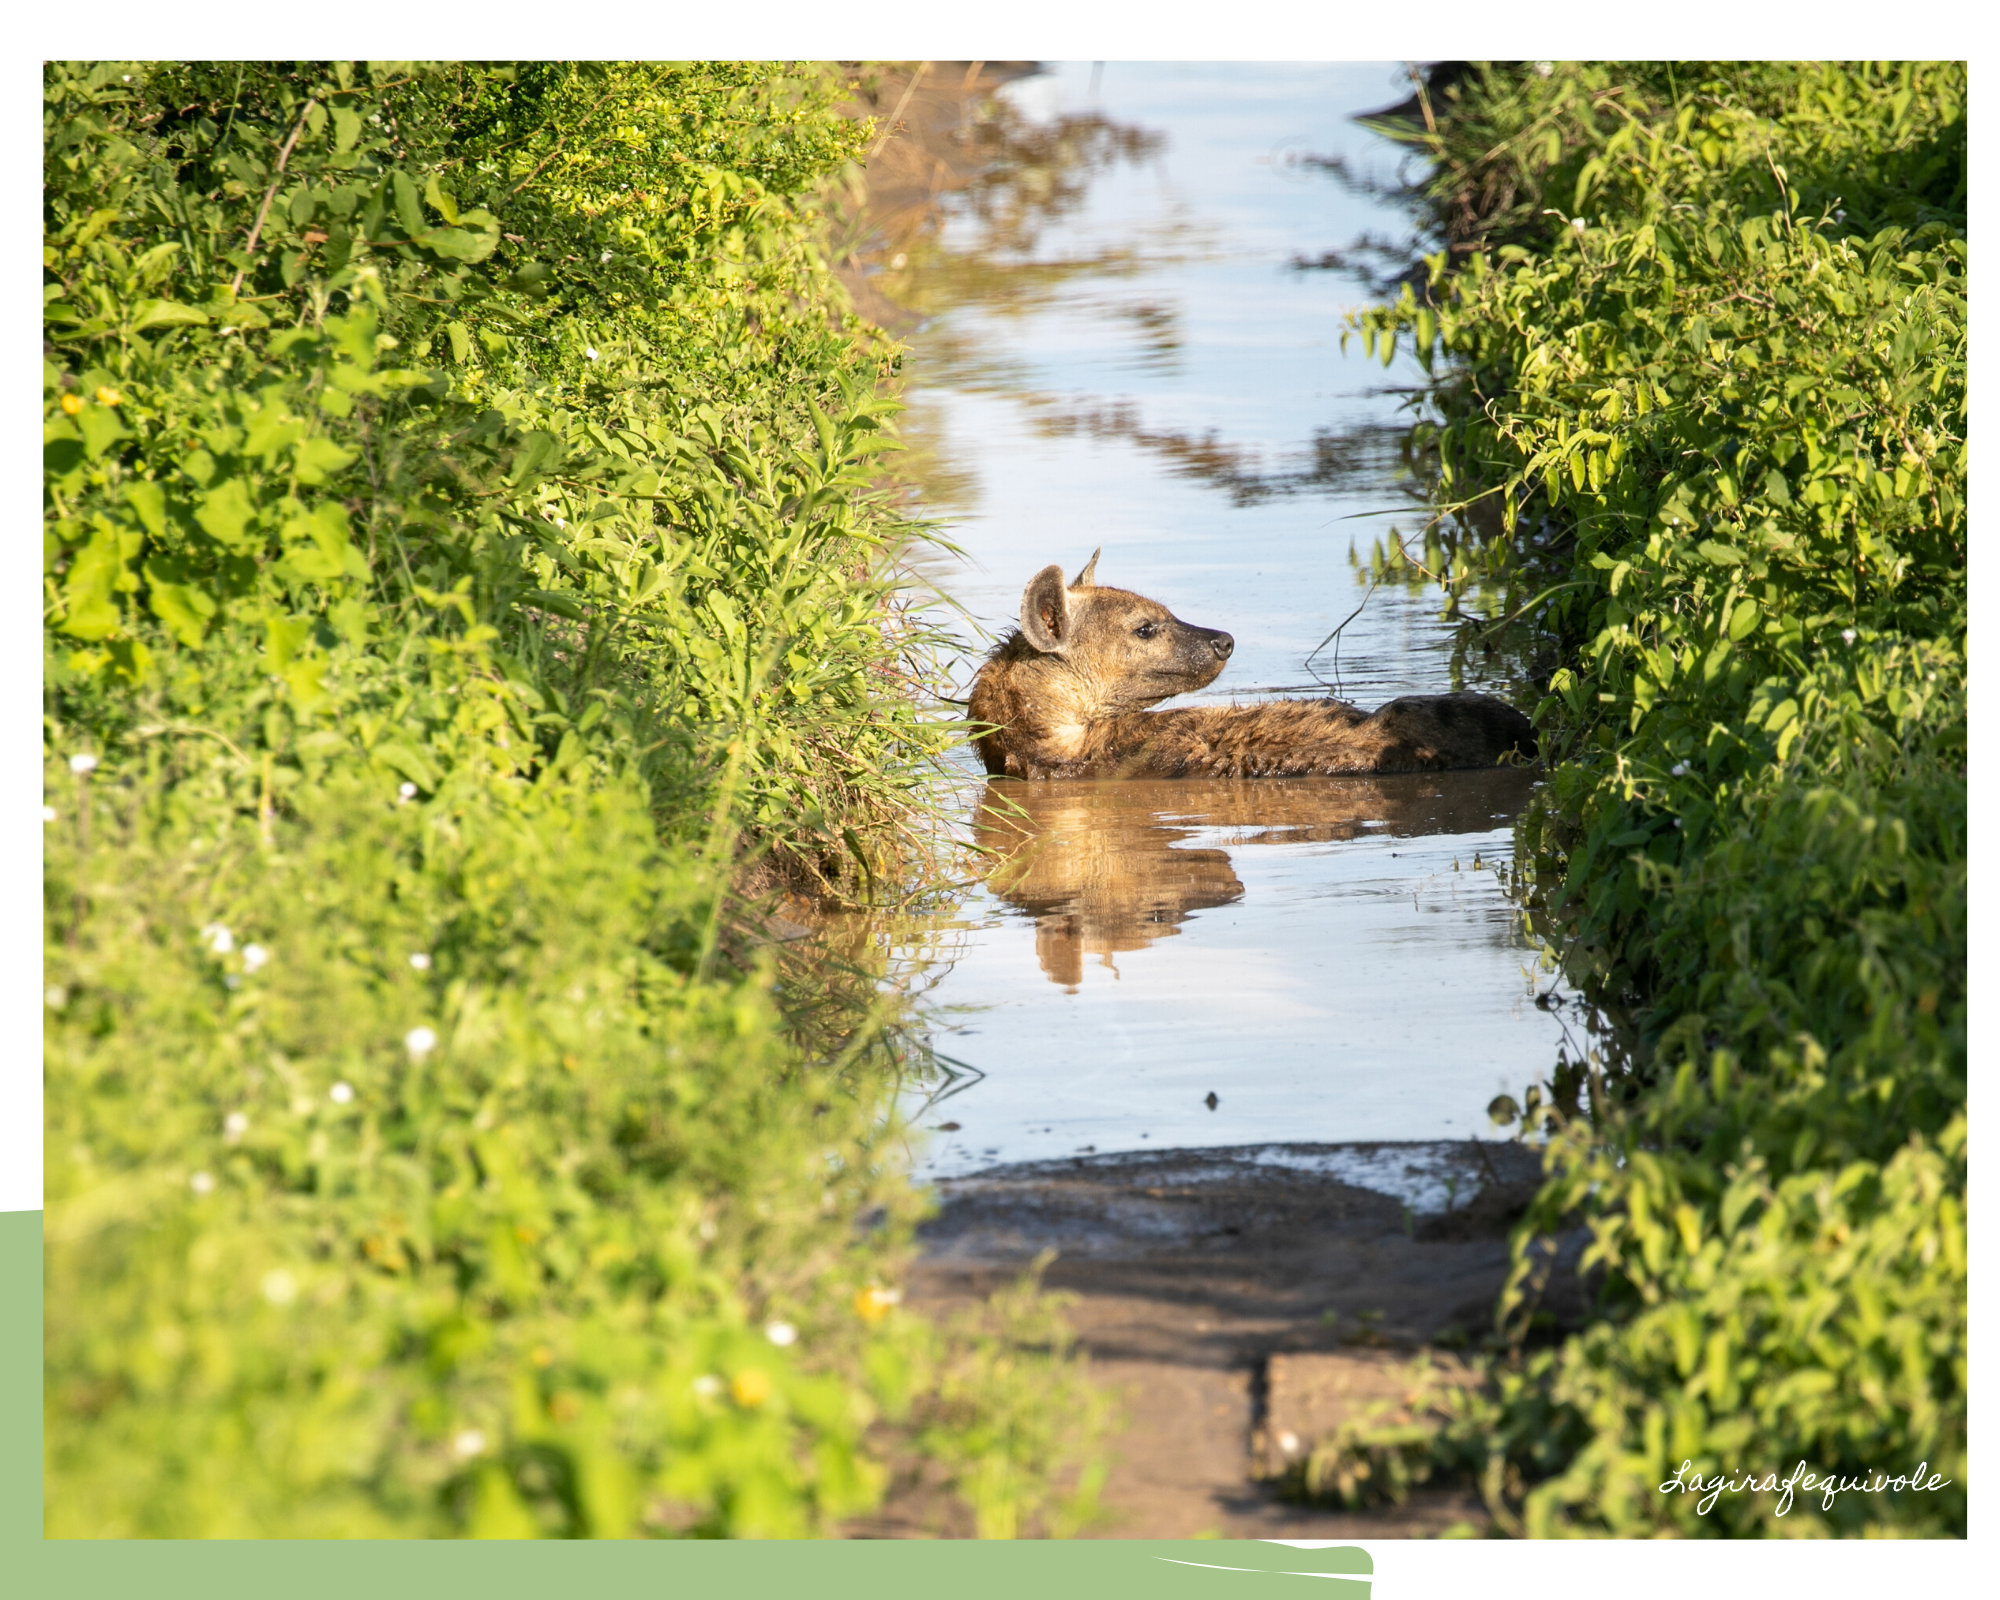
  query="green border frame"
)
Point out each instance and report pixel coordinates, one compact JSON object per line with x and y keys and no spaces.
{"x":963,"y":1569}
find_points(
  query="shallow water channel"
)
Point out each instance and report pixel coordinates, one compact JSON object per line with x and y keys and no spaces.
{"x":1120,"y":353}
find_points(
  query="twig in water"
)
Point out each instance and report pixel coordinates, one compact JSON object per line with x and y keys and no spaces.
{"x":1333,"y":639}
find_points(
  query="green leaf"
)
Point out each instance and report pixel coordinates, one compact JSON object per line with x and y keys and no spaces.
{"x":317,"y":459}
{"x":226,"y":512}
{"x":438,"y":200}
{"x":404,"y":193}
{"x":90,"y":612}
{"x":1720,"y":555}
{"x":401,"y":756}
{"x":165,"y":314}
{"x":100,"y":428}
{"x":284,"y":638}
{"x":458,"y":244}
{"x":185,"y":609}
{"x":306,"y":678}
{"x":149,"y":504}
{"x":156,"y":262}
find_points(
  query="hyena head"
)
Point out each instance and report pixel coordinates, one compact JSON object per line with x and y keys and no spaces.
{"x":1124,"y":651}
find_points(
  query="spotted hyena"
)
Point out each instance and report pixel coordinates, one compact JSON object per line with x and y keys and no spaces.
{"x":1066,"y":696}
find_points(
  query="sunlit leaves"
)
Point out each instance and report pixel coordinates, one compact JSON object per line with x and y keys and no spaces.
{"x":1728,"y":418}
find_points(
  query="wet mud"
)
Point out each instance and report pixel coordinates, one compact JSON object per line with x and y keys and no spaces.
{"x":1243,"y":1303}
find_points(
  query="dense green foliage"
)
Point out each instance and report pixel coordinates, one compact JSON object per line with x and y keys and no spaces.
{"x":459,"y":548}
{"x":1703,"y":349}
{"x":627,"y":426}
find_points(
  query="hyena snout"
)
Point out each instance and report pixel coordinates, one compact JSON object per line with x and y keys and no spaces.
{"x":1198,"y":653}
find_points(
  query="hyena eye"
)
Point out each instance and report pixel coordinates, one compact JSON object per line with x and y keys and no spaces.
{"x":1146,"y":630}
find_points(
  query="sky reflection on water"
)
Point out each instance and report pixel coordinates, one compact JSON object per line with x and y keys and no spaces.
{"x":1148,"y":374}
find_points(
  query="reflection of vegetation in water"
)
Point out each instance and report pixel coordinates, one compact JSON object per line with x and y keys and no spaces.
{"x":991,"y":240}
{"x":1038,"y":173}
{"x":962,"y":204}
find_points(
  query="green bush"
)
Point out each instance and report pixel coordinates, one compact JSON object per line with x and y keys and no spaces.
{"x":1704,"y":354}
{"x":460,"y":557}
{"x":546,"y":351}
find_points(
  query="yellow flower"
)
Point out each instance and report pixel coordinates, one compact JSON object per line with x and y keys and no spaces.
{"x":72,"y":404}
{"x":751,"y":1386}
{"x":108,"y":397}
{"x":872,"y":1304}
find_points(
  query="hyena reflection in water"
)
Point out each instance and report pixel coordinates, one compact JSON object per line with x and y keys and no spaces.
{"x":1104,"y":868}
{"x":1066,"y":696}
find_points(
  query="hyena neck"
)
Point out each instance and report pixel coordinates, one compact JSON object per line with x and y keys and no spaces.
{"x":1038,"y":704}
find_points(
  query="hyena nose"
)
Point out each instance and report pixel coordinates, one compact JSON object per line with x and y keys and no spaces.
{"x":1222,"y":645}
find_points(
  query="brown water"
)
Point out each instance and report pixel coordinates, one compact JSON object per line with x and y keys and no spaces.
{"x":1118,"y":353}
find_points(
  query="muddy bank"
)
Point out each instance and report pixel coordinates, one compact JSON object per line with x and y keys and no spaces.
{"x":1244,"y":1302}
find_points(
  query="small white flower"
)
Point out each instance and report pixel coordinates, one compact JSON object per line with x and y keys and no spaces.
{"x":406,"y":790}
{"x":588,"y":353}
{"x":420,"y":1042}
{"x":232,"y":980}
{"x":218,"y":938}
{"x":254,"y":956}
{"x":202,"y":1183}
{"x":1288,"y":1442}
{"x":1578,"y":223}
{"x":234,"y":1126}
{"x":781,"y":1333}
{"x":56,"y":996}
{"x":1679,"y":769}
{"x":341,"y":1093}
{"x":560,"y":523}
{"x":469,"y":1442}
{"x":1544,"y":68}
{"x":83,"y":764}
{"x":605,"y":257}
{"x":420,"y":961}
{"x":48,"y":813}
{"x":280,"y":1287}
{"x":708,"y":1386}
{"x":1847,"y":634}
{"x":706,"y":1228}
{"x":898,"y":261}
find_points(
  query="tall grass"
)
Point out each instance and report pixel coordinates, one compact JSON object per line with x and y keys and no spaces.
{"x":459,"y":560}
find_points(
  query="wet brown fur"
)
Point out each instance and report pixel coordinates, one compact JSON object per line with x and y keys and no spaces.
{"x":1066,"y":697}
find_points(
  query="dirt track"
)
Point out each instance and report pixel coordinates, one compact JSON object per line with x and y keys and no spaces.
{"x":1244,"y":1307}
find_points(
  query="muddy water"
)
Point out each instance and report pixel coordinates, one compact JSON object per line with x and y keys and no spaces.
{"x":1119,"y":353}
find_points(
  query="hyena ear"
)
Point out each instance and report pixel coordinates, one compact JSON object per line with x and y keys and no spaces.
{"x":1085,"y":578}
{"x":1045,"y":618}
